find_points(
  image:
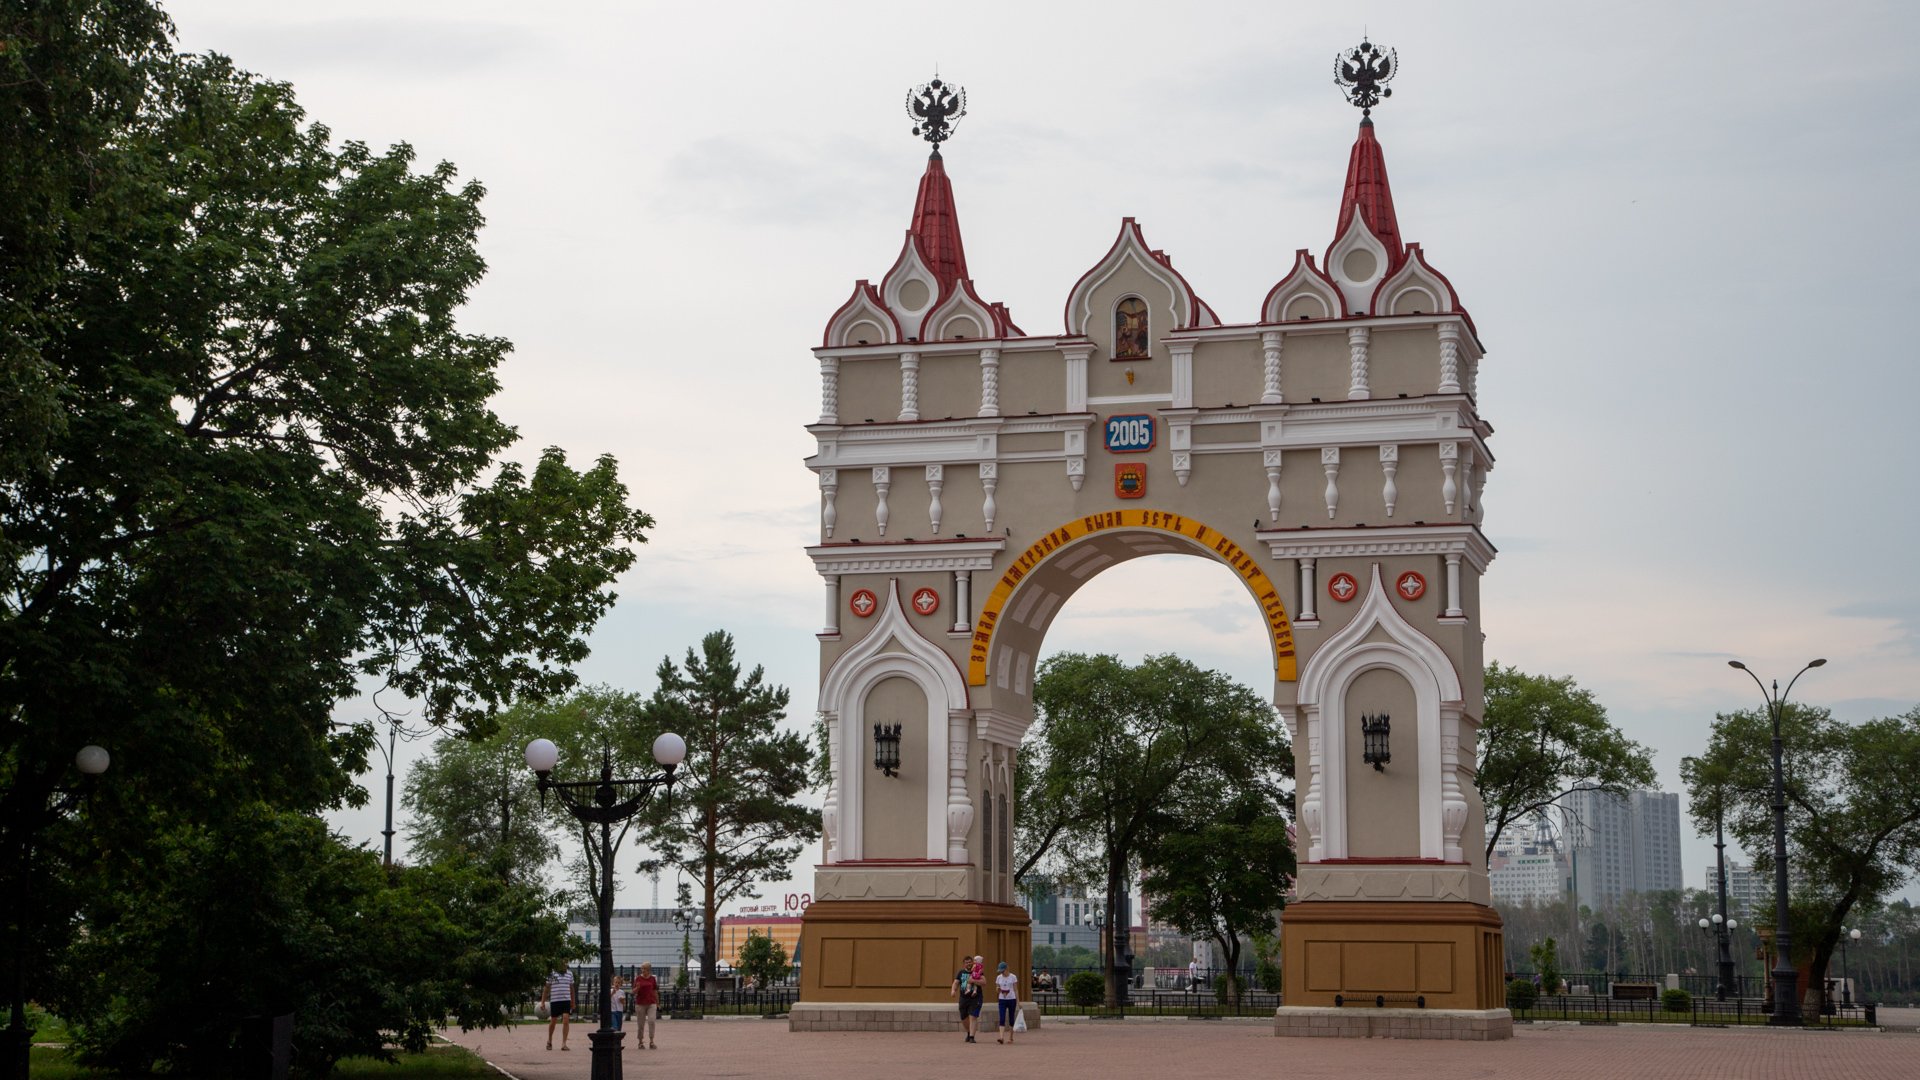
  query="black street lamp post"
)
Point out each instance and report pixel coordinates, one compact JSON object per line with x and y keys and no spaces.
{"x":1786,"y":997}
{"x":1722,"y":929}
{"x":1846,"y":974}
{"x":91,"y":761}
{"x":605,"y":808}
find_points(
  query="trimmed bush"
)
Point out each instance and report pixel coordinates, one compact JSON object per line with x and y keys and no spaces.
{"x":1086,"y":988}
{"x":1676,"y":1000}
{"x":1521,"y":994}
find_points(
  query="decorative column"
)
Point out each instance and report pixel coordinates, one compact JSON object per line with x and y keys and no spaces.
{"x":1310,"y":804}
{"x":1330,"y":461}
{"x":833,"y":604}
{"x":989,"y":479}
{"x":830,"y":813}
{"x":1479,"y":486}
{"x":1270,"y":345}
{"x":1449,"y":465}
{"x":1453,"y":801}
{"x":829,"y":487}
{"x":989,"y":382}
{"x":829,"y":389}
{"x":909,"y":386}
{"x":1357,"y":339}
{"x":1390,"y":465}
{"x":1453,"y":610}
{"x":882,"y":480}
{"x":959,"y":805}
{"x":1473,"y":378}
{"x":962,"y":601}
{"x":1182,"y":353}
{"x":1466,"y":482}
{"x":1272,"y":460}
{"x":1307,"y":591}
{"x":1449,"y":358}
{"x":936,"y":479}
{"x":1076,"y":367}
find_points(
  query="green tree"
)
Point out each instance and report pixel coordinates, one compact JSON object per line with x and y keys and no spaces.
{"x":1543,"y":738}
{"x":1546,"y":961}
{"x":1853,"y":811}
{"x":1224,"y":877}
{"x":1120,"y":751}
{"x":271,"y":477}
{"x":763,"y":959}
{"x":735,"y":819}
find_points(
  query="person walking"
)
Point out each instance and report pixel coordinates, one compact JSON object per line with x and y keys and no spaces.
{"x":646,"y":1007}
{"x":617,"y":1001}
{"x":559,"y":1005}
{"x":969,"y":991}
{"x":1009,"y":986}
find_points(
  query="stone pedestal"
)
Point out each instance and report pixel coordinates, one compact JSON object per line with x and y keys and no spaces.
{"x":1478,"y":1025}
{"x":894,"y":1016}
{"x":876,"y":954}
{"x":1442,"y":955}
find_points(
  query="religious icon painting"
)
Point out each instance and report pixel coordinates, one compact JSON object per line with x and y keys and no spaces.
{"x":1130,"y":330}
{"x":1410,"y":585}
{"x":926,"y":601}
{"x":1343,"y":587}
{"x":1130,"y":480}
{"x":864,"y":603}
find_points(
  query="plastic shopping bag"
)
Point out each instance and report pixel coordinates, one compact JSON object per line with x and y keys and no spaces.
{"x":1019,"y":1018}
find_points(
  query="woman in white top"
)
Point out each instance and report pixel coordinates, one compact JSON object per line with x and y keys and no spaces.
{"x":1009,"y":986}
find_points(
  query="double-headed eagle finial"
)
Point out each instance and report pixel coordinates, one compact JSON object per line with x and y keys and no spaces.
{"x":1362,"y":74}
{"x":936,"y":108}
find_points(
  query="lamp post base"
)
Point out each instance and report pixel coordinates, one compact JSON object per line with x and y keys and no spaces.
{"x":606,"y":1053}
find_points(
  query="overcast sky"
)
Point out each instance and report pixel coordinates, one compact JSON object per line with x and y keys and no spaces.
{"x":1685,"y":233}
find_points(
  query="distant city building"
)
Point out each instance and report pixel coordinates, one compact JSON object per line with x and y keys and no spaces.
{"x":1064,"y":916}
{"x":1750,"y":891}
{"x":784,"y":929}
{"x":640,"y":936}
{"x":1528,"y":864}
{"x":1621,"y":845}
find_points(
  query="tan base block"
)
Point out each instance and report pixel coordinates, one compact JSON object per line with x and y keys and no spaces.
{"x":906,"y":951}
{"x":1309,"y":1022}
{"x":892,"y":1016}
{"x":1449,"y":953}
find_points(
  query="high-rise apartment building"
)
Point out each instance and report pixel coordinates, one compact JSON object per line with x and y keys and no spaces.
{"x":1619,"y":845}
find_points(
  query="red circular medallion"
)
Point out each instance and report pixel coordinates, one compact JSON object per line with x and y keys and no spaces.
{"x":926,"y":601}
{"x":1410,"y":586}
{"x":864,"y":603}
{"x":1342,"y":587}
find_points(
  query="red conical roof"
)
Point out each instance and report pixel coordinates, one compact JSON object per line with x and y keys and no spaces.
{"x":1367,"y":192}
{"x":936,"y":225}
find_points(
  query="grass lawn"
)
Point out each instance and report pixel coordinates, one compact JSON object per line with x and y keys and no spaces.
{"x":438,"y":1063}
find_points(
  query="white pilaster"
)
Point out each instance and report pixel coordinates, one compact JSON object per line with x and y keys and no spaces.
{"x":1330,"y":462}
{"x":1357,"y":339}
{"x":1453,"y":800}
{"x":832,"y":625}
{"x":829,"y":487}
{"x":1182,"y":353}
{"x":959,"y":804}
{"x":1271,"y":343}
{"x":1453,"y":609}
{"x":936,"y":479}
{"x":962,"y":601}
{"x":882,"y":480}
{"x":829,"y":389}
{"x":1076,"y":356}
{"x":909,"y":386}
{"x":989,"y":382}
{"x":1307,"y":590}
{"x":830,"y":813}
{"x":1390,"y":466}
{"x":1449,"y":358}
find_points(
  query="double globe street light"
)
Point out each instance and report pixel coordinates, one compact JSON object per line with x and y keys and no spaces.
{"x":1786,"y":997}
{"x":1722,"y":928}
{"x":611,"y":802}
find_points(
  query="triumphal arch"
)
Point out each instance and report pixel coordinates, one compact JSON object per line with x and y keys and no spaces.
{"x":1327,"y":449}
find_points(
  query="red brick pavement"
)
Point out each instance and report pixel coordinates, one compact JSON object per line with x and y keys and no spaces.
{"x":1220,"y":1050}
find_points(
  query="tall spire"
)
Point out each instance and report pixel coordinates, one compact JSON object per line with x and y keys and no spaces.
{"x":936,"y":108}
{"x":936,"y":225}
{"x":1362,"y":75}
{"x":1368,"y":194}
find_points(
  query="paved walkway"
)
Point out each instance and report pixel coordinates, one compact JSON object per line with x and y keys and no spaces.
{"x":1217,"y":1050}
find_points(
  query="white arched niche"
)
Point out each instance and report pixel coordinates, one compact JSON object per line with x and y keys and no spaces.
{"x":892,"y":648}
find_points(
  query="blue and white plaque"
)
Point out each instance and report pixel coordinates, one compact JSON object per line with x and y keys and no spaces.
{"x":1130,"y":434}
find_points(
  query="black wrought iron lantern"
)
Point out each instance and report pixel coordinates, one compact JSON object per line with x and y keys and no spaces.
{"x":1373,"y":733}
{"x":886,"y":748}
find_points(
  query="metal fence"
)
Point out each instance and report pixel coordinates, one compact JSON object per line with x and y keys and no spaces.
{"x":1700,"y":1012}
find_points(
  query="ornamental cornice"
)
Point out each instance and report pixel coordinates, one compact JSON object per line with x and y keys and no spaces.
{"x":934,"y":442}
{"x":942,"y":555}
{"x":1252,"y":331}
{"x":1461,"y":539}
{"x":998,"y":727}
{"x":951,"y":347}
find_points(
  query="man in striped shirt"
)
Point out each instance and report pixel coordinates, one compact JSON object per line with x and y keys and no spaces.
{"x":559,"y":1006}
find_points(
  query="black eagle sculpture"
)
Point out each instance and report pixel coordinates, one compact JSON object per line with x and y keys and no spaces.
{"x":936,"y":108}
{"x":1363,"y":73}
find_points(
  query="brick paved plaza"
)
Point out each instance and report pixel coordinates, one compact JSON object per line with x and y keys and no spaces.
{"x":1219,"y":1050}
